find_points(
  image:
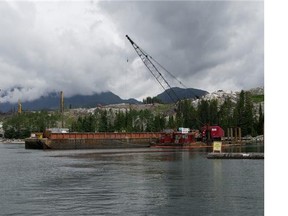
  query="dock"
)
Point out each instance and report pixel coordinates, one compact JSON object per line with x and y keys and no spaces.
{"x":235,"y":156}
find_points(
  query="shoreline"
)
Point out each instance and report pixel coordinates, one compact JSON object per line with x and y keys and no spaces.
{"x":12,"y":141}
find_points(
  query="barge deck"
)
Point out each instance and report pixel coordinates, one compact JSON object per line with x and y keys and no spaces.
{"x":99,"y":140}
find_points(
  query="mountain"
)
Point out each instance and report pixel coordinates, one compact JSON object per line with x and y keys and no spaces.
{"x":52,"y":102}
{"x":189,"y":93}
{"x":257,"y":96}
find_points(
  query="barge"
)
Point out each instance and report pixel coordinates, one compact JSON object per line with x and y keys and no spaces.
{"x":99,"y":140}
{"x":61,"y":138}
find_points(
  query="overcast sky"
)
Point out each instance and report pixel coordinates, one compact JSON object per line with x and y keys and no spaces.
{"x":80,"y":47}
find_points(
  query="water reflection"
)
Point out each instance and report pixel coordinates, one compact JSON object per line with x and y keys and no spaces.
{"x":257,"y":147}
{"x":128,"y":182}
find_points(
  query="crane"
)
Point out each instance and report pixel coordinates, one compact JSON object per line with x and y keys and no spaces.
{"x":150,"y":64}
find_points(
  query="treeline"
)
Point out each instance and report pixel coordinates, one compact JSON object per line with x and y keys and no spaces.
{"x":240,"y":114}
{"x":150,"y":100}
{"x":128,"y":121}
{"x":20,"y":126}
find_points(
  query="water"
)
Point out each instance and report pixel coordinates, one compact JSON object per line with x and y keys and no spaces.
{"x":127,"y":182}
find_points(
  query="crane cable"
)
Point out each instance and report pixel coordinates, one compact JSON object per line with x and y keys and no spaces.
{"x":167,"y":71}
{"x":151,"y":58}
{"x":148,"y":61}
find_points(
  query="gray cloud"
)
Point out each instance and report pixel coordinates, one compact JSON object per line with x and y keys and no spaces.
{"x":213,"y":40}
{"x":81,"y":48}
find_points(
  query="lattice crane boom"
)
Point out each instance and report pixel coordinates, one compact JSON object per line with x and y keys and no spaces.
{"x":148,"y":61}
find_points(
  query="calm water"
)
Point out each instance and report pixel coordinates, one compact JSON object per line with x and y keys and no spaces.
{"x":128,"y":182}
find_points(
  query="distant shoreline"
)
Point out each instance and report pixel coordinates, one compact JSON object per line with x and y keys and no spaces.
{"x":12,"y":141}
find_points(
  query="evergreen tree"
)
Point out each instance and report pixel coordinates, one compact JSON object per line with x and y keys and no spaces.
{"x":244,"y":115}
{"x":171,"y":123}
{"x":119,"y":123}
{"x":179,"y":114}
{"x":203,"y":112}
{"x":238,"y":117}
{"x":248,"y":127}
{"x":213,"y":112}
{"x":159,"y":123}
{"x":22,"y":125}
{"x":260,"y":122}
{"x":103,"y":124}
{"x":226,"y":114}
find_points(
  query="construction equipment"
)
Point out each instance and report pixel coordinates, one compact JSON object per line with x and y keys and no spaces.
{"x":208,"y":132}
{"x":150,"y":64}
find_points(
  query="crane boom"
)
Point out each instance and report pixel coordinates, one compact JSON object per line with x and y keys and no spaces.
{"x":147,"y":60}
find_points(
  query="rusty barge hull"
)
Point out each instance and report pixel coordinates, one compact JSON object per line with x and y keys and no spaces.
{"x":63,"y":141}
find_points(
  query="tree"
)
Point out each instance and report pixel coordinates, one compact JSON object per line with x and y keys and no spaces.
{"x":249,"y":121}
{"x":226,"y":114}
{"x":260,"y":122}
{"x":119,"y":123}
{"x":158,"y":123}
{"x":213,"y":112}
{"x":22,"y":125}
{"x":171,"y":122}
{"x":153,"y":100}
{"x":203,"y":112}
{"x":244,"y":115}
{"x":103,"y":124}
{"x":238,"y":115}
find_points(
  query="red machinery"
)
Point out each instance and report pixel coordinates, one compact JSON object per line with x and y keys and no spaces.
{"x":178,"y":138}
{"x":212,"y":133}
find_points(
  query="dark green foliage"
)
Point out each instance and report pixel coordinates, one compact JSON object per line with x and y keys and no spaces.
{"x":171,"y":122}
{"x":249,"y":120}
{"x":260,"y":121}
{"x":22,"y":125}
{"x":103,"y":124}
{"x":153,"y":100}
{"x":244,"y":115}
{"x":186,"y":115}
{"x":257,"y":98}
{"x":226,"y":114}
{"x":128,"y":121}
{"x":213,"y":112}
{"x":203,"y":112}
